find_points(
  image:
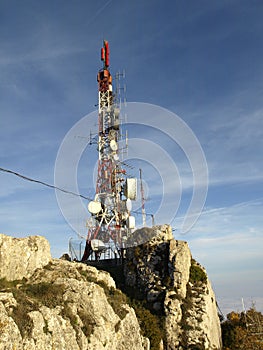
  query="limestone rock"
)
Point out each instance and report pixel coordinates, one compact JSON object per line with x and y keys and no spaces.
{"x":155,"y":235}
{"x":67,"y":306}
{"x":162,"y":271}
{"x":20,"y":257}
{"x":9,"y":332}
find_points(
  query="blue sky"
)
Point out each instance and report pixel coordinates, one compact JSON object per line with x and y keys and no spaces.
{"x":199,"y":59}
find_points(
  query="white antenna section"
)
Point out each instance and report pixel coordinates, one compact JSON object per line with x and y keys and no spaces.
{"x":131,"y":188}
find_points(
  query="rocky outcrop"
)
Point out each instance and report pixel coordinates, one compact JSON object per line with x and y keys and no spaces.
{"x":67,"y":306}
{"x":163,"y":272}
{"x":57,"y":304}
{"x":20,"y":257}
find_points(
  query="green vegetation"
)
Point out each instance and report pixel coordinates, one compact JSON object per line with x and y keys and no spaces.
{"x":196,"y":347}
{"x":117,"y":300}
{"x":24,"y":305}
{"x":152,"y":326}
{"x":243,"y":331}
{"x":48,"y":294}
{"x":88,"y":323}
{"x":9,"y":285}
{"x":45,"y":328}
{"x":29,"y":297}
{"x":197,"y":274}
{"x":2,"y":325}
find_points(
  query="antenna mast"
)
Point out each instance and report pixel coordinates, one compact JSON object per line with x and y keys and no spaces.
{"x":110,"y":221}
{"x":143,"y":201}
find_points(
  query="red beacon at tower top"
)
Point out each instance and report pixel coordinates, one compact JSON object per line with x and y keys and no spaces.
{"x":104,"y":77}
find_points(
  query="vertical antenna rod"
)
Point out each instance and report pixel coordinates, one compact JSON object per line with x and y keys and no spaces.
{"x":143,"y":201}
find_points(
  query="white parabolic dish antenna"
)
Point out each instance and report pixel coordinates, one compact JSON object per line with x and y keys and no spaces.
{"x":113,"y":145}
{"x":94,"y":207}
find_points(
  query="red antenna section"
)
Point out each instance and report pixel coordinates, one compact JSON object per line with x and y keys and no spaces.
{"x":102,"y":54}
{"x":107,"y":54}
{"x":104,"y":77}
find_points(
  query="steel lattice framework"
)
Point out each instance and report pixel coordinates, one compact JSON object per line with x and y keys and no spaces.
{"x":110,"y":211}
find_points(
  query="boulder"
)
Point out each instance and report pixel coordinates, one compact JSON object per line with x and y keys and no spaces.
{"x":20,"y":257}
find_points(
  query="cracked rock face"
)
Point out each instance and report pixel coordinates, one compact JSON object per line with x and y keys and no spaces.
{"x":20,"y":257}
{"x":56,"y":304}
{"x":67,"y":306}
{"x":163,"y":272}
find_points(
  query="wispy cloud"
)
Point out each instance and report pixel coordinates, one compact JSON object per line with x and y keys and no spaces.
{"x":228,"y":241}
{"x":211,"y":75}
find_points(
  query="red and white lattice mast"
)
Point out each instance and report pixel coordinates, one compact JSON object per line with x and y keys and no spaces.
{"x":110,"y":221}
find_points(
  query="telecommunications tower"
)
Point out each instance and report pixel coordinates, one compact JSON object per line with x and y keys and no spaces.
{"x":111,"y":221}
